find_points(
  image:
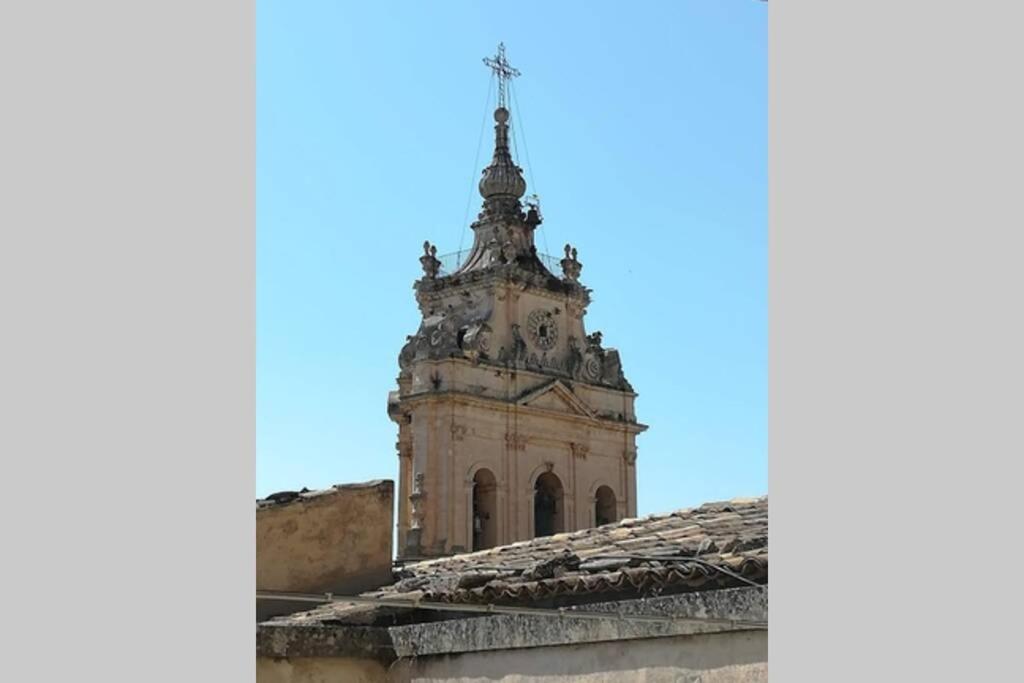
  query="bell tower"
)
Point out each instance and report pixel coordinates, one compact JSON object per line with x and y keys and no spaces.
{"x":513,"y":422}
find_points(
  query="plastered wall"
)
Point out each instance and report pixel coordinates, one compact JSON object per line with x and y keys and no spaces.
{"x":338,"y":540}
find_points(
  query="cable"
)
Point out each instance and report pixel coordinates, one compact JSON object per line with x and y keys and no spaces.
{"x":529,"y":166}
{"x":476,"y":160}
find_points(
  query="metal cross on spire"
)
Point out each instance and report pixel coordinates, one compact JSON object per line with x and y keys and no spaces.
{"x":503,"y":70}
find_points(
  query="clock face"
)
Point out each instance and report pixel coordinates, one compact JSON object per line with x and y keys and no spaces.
{"x":543,"y":328}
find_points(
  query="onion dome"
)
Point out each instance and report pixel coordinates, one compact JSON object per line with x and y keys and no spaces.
{"x":502,"y":178}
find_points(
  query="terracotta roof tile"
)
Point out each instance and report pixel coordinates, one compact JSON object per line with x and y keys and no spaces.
{"x":716,"y":545}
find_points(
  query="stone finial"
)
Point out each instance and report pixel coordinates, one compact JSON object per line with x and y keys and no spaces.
{"x":431,"y":264}
{"x":571,"y":266}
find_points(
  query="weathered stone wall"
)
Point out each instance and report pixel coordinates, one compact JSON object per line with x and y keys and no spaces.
{"x":732,"y":657}
{"x":338,"y":540}
{"x":727,"y":657}
{"x":513,"y":648}
{"x":320,"y":670}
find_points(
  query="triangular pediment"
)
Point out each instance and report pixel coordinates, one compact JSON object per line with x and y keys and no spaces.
{"x":557,"y":397}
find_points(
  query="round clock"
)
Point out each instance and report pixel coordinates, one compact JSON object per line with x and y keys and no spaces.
{"x":543,"y":329}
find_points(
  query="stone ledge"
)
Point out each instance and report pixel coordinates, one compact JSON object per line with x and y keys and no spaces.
{"x":507,"y":631}
{"x":511,"y":631}
{"x":281,"y":642}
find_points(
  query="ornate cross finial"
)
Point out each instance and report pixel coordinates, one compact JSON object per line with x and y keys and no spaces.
{"x":503,"y":70}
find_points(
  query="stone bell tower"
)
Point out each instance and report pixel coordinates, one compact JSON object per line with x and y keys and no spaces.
{"x":513,"y":422}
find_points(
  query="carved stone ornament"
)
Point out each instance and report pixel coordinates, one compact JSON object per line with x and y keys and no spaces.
{"x":416,"y":501}
{"x":516,"y":442}
{"x":543,"y":328}
{"x":629,"y":456}
{"x":444,"y":335}
{"x":571,"y":267}
{"x":612,"y":373}
{"x":580,"y":450}
{"x":476,"y":340}
{"x":592,"y":367}
{"x":508,"y":252}
{"x":429,"y":261}
{"x":518,"y":345}
{"x":593,"y":359}
{"x":574,"y":363}
{"x":483,"y":338}
{"x":407,"y":354}
{"x":458,"y":432}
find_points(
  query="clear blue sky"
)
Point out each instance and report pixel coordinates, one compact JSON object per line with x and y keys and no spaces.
{"x":646,"y":126}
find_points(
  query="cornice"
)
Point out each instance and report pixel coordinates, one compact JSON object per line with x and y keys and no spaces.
{"x":491,"y":366}
{"x":463,"y":398}
{"x":502,"y":275}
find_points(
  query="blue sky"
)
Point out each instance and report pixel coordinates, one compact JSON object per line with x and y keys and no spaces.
{"x":646,"y":129}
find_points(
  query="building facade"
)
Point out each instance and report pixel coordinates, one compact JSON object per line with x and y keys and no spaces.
{"x":513,"y":422}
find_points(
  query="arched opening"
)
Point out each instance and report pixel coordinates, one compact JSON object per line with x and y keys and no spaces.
{"x":547,"y":505}
{"x":604,"y":506}
{"x":485,"y":508}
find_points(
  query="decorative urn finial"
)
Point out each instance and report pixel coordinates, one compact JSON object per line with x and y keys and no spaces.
{"x":571,"y":266}
{"x":431,"y":264}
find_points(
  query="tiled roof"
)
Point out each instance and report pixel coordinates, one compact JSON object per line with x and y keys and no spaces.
{"x":716,"y":545}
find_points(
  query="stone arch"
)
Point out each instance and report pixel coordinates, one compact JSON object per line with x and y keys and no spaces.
{"x":548,"y":504}
{"x":483,"y":509}
{"x":605,"y":505}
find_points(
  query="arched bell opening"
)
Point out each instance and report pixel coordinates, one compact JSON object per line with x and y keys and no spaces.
{"x":485,"y":508}
{"x":548,"y":505}
{"x":605,"y":510}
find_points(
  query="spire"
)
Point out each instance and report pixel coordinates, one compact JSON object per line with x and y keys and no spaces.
{"x":502,"y":178}
{"x":503,"y":231}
